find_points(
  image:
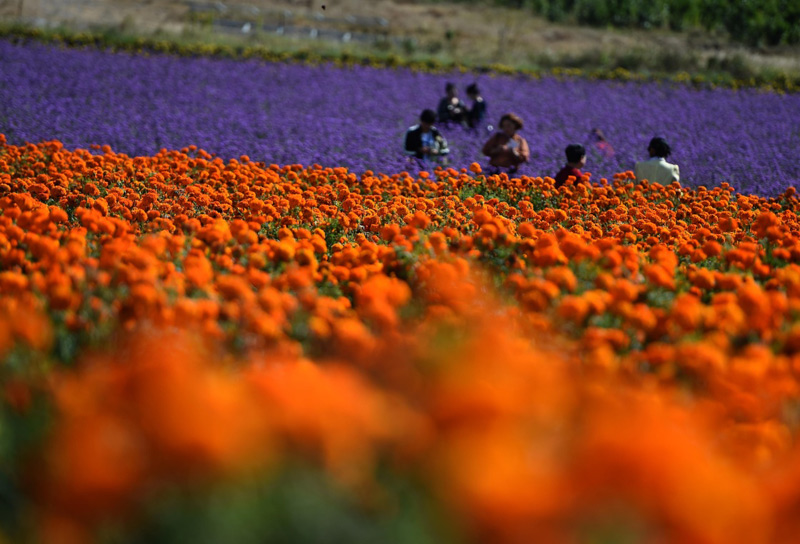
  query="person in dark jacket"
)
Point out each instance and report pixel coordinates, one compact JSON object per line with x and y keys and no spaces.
{"x":424,"y":141}
{"x":477,"y":113}
{"x":451,"y":109}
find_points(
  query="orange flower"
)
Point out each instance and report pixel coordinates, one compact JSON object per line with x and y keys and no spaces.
{"x":755,"y":304}
{"x":563,"y":277}
{"x":198,"y":270}
{"x":625,"y":290}
{"x":704,"y":279}
{"x":659,"y":276}
{"x":574,"y":309}
{"x":687,"y":312}
{"x":764,"y":222}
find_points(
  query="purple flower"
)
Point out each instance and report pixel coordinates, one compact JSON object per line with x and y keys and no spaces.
{"x":356,"y":117}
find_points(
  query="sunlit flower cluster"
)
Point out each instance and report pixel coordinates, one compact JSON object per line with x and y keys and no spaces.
{"x":474,"y":358}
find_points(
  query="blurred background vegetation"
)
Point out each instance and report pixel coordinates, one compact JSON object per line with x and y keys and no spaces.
{"x":756,"y":23}
{"x":745,"y":41}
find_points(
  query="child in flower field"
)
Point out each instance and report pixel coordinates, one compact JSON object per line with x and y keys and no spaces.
{"x":656,"y":169}
{"x":506,"y":148}
{"x":576,"y":159}
{"x":424,"y":141}
{"x":477,"y":113}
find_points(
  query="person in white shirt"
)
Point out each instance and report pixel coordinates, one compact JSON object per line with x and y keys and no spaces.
{"x":656,"y":169}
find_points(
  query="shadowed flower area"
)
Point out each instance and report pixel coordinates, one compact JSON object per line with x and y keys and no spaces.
{"x":356,"y":117}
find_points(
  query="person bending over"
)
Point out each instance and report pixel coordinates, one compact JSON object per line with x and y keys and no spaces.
{"x":576,"y":159}
{"x":424,"y":141}
{"x":506,"y":148}
{"x":601,"y":144}
{"x":656,"y":169}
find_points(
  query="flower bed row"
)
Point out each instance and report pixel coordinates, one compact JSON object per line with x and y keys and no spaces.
{"x":195,"y":346}
{"x":356,"y":117}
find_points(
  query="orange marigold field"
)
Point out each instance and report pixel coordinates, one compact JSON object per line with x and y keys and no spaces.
{"x":193,"y":349}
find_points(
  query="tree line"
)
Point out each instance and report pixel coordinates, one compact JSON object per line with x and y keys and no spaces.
{"x":755,"y":23}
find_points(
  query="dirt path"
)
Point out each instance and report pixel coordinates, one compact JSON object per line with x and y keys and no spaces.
{"x":478,"y":33}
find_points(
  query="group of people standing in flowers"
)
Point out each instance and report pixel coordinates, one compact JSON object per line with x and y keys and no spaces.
{"x":506,"y":149}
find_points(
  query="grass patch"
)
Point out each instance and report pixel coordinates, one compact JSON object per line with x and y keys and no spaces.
{"x":666,"y":65}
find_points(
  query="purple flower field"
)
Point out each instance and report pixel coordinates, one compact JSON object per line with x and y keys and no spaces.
{"x":356,"y":117}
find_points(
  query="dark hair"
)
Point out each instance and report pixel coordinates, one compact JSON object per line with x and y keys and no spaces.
{"x":473,"y":89}
{"x":428,"y":116}
{"x":449,"y":87}
{"x":575,"y":152}
{"x":514,"y":118}
{"x":660,"y":147}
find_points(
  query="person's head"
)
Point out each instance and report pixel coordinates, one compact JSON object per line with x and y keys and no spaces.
{"x":659,"y":148}
{"x":426,"y":119}
{"x":510,"y":123}
{"x":473,"y":91}
{"x":451,"y":90}
{"x":576,"y":154}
